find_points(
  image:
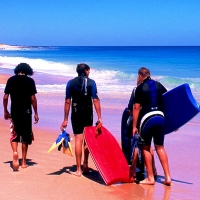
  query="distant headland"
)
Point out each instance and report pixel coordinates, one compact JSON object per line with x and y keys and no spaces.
{"x":10,"y":47}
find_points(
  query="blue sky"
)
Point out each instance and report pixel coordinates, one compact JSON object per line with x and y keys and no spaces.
{"x":105,"y":22}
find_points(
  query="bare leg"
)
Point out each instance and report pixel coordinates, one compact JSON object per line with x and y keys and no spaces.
{"x":78,"y":153}
{"x":14,"y":146}
{"x":153,"y":163}
{"x":24,"y":153}
{"x":164,"y":162}
{"x":15,"y":163}
{"x":86,"y":156}
{"x":148,"y":163}
{"x":134,"y":162}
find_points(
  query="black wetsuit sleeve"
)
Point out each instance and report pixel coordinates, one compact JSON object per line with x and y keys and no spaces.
{"x":94,"y":90}
{"x":131,"y":101}
{"x":138,"y":95}
{"x":67,"y":91}
{"x":7,"y":89}
{"x":33,"y":90}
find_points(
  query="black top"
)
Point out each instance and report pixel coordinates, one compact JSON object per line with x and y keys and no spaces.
{"x":82,"y":90}
{"x":149,"y":95}
{"x":20,"y":88}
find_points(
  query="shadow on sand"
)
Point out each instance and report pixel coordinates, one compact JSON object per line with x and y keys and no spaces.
{"x":160,"y":179}
{"x":93,"y":175}
{"x":28,"y":161}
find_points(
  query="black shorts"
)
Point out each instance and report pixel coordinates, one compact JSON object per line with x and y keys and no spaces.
{"x":81,"y":120}
{"x":82,"y":116}
{"x":153,"y":127}
{"x":23,"y":127}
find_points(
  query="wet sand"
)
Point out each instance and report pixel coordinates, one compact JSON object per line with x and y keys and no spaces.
{"x":47,"y":176}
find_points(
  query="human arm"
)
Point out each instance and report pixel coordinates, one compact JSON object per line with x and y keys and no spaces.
{"x":66,"y":106}
{"x":97,"y":107}
{"x":136,"y":111}
{"x":5,"y":105}
{"x":96,"y":101}
{"x":34,"y":105}
{"x":66,"y":113}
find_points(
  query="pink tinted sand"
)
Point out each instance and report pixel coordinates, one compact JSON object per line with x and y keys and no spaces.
{"x":47,"y":176}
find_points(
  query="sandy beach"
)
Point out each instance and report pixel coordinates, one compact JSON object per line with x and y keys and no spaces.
{"x":47,"y":176}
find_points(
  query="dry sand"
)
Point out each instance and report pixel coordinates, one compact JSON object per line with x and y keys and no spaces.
{"x":47,"y":176}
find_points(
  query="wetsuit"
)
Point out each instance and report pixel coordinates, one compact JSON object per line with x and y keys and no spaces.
{"x":81,"y":90}
{"x":149,"y":95}
{"x":21,"y":88}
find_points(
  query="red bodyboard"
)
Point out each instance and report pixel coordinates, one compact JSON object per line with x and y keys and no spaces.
{"x":107,"y":156}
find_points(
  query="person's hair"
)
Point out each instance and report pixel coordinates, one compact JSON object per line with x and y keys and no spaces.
{"x":23,"y":68}
{"x":80,"y":69}
{"x":144,"y":72}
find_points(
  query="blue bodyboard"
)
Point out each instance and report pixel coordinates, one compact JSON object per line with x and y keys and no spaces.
{"x":179,"y":107}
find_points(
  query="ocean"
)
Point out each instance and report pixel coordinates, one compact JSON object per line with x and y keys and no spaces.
{"x":114,"y":68}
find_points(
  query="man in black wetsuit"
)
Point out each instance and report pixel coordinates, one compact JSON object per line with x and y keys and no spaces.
{"x":148,"y":97}
{"x":83,"y":92}
{"x":22,"y":90}
{"x":137,"y":159}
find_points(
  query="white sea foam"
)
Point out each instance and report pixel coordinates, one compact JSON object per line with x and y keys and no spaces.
{"x":54,"y":88}
{"x":57,"y":68}
{"x":108,"y":81}
{"x":39,"y":65}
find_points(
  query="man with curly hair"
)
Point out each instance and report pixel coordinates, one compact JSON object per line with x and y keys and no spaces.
{"x":22,"y":90}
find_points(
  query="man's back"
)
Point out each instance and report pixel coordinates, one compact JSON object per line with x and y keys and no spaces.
{"x":80,"y":86}
{"x":20,"y":88}
{"x":149,"y":95}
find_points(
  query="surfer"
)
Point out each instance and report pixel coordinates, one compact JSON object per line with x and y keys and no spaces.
{"x":22,"y":90}
{"x":83,"y":92}
{"x":137,"y":158}
{"x":148,"y":96}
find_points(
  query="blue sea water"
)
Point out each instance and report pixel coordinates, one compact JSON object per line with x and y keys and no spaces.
{"x":114,"y":68}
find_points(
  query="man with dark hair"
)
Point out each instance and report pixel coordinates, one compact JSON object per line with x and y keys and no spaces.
{"x":148,"y":97}
{"x":83,"y":92}
{"x":22,"y":90}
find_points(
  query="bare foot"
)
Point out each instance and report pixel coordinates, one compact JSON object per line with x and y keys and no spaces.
{"x":167,"y":182}
{"x":15,"y":162}
{"x":147,"y":182}
{"x":24,"y":166}
{"x":78,"y":174}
